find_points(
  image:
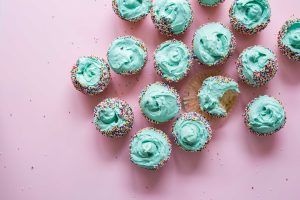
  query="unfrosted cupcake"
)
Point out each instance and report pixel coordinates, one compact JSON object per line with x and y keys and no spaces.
{"x":257,"y":65}
{"x":250,"y":16}
{"x":217,"y":95}
{"x":131,"y":10}
{"x":289,"y":39}
{"x":210,"y":3}
{"x":150,"y":148}
{"x":265,"y":115}
{"x":127,"y":55}
{"x":172,"y":60}
{"x":90,"y":75}
{"x":213,"y":43}
{"x":171,"y":17}
{"x":192,"y":132}
{"x":159,"y":102}
{"x":113,"y":117}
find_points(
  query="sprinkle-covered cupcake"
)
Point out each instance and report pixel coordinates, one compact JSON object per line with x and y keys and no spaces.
{"x":172,"y":60}
{"x":250,"y":16}
{"x":90,"y":75}
{"x":150,"y":148}
{"x":159,"y":102}
{"x":213,"y":43}
{"x":171,"y":17}
{"x":289,"y":39}
{"x":127,"y":55}
{"x":210,"y":3}
{"x":113,"y":117}
{"x":131,"y":10}
{"x":217,"y":95}
{"x":192,"y":132}
{"x":257,"y":65}
{"x":265,"y":115}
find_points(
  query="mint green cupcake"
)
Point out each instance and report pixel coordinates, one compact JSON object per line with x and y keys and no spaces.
{"x":265,"y":115}
{"x":210,"y":3}
{"x":127,"y":55}
{"x":150,"y":148}
{"x":192,"y":132}
{"x":159,"y":102}
{"x":132,"y":10}
{"x":172,"y":60}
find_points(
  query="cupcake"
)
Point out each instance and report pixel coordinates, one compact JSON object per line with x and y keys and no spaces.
{"x":213,"y":43}
{"x":113,"y":117}
{"x":250,"y":16}
{"x":172,"y":60}
{"x":192,"y":132}
{"x":131,"y":10}
{"x":171,"y":17}
{"x":210,"y":3}
{"x":150,"y":148}
{"x":90,"y":75}
{"x":217,"y":95}
{"x":159,"y":102}
{"x":264,"y":115}
{"x":257,"y":65}
{"x":127,"y":55}
{"x":289,"y":39}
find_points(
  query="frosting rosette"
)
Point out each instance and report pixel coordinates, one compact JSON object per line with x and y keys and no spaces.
{"x":265,"y":115}
{"x":191,"y":131}
{"x":213,"y":43}
{"x":172,"y":60}
{"x":210,"y":3}
{"x":150,"y":148}
{"x":159,"y":102}
{"x":127,"y":55}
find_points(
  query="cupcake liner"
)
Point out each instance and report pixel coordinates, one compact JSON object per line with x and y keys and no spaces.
{"x":213,"y":5}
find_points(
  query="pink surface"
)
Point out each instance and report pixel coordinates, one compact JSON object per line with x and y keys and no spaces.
{"x":51,"y":150}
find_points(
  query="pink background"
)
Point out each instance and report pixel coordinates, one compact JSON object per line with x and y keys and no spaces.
{"x":51,"y":150}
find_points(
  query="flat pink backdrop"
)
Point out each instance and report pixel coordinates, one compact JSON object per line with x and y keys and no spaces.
{"x":50,"y":150}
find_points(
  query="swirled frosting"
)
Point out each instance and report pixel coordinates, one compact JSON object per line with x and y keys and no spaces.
{"x":191,"y":131}
{"x":133,"y":9}
{"x":177,"y":13}
{"x":159,"y":103}
{"x":126,"y":55}
{"x":210,"y":2}
{"x":292,"y":37}
{"x":265,"y":115}
{"x":212,"y":43}
{"x":254,"y":59}
{"x":109,"y":118}
{"x":211,"y":92}
{"x":150,"y":148}
{"x":89,"y":71}
{"x":251,"y":13}
{"x":172,"y":59}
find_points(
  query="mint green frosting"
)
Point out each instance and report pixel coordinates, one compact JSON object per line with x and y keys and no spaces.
{"x":292,"y":37}
{"x":251,"y":13}
{"x":212,"y":90}
{"x":210,"y":2}
{"x":212,"y":43}
{"x":149,"y":148}
{"x":126,"y":55}
{"x":159,"y":103}
{"x":254,"y":59}
{"x":173,"y":59}
{"x":133,"y":9}
{"x":177,"y":14}
{"x":109,"y":118}
{"x":265,"y":115}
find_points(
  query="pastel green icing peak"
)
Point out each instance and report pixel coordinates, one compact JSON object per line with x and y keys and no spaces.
{"x":109,"y":118}
{"x":126,"y":55}
{"x":149,"y":148}
{"x":254,"y":59}
{"x":292,"y":37}
{"x":173,"y":59}
{"x":133,"y":9}
{"x":252,"y":13}
{"x":212,"y":43}
{"x":210,"y":2}
{"x":177,"y":13}
{"x":89,"y":71}
{"x":265,"y":115}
